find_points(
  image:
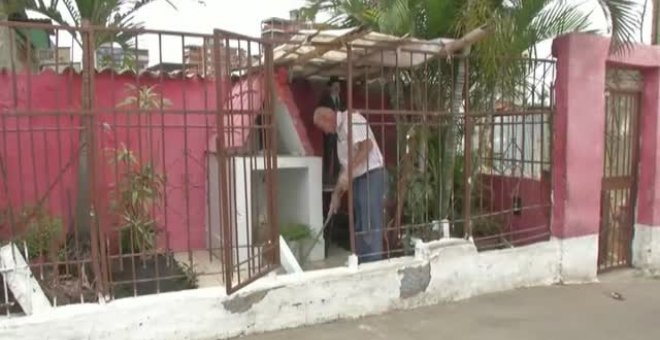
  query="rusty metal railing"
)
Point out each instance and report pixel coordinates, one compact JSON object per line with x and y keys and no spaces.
{"x":463,"y":154}
{"x":114,"y":176}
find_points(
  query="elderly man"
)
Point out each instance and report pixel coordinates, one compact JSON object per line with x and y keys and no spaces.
{"x":369,"y":178}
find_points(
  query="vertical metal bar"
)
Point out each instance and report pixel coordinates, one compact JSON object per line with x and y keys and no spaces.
{"x":246,"y":130}
{"x":161,"y":76}
{"x":349,"y":97}
{"x":272,"y":150}
{"x":151,"y":151}
{"x":636,"y":149}
{"x":233,"y":143}
{"x":222,"y":166}
{"x":186,"y":156}
{"x":467,"y":176}
{"x":88,"y":114}
{"x":207,"y":137}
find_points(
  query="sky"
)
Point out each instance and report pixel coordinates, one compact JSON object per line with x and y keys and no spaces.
{"x":245,"y":16}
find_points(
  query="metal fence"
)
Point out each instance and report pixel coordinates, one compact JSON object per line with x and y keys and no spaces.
{"x":466,"y":155}
{"x":115,"y":181}
{"x":121,"y":179}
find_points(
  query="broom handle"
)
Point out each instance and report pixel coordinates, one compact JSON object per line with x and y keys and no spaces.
{"x":316,"y":239}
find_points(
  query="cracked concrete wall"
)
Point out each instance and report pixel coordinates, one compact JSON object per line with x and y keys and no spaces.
{"x":441,"y":271}
{"x":414,"y":280}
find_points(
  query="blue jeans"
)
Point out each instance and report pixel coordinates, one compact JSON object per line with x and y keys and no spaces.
{"x":369,"y":192}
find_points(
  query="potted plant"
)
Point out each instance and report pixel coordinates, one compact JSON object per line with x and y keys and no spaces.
{"x":295,"y":235}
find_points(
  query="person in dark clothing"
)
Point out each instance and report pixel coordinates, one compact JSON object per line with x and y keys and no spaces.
{"x":333,"y":101}
{"x":333,"y":98}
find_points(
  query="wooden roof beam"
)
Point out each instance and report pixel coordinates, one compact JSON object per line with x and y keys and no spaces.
{"x":375,"y":50}
{"x":337,"y":42}
{"x":450,"y":48}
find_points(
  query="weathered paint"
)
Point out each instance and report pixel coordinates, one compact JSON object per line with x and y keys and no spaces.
{"x":646,"y":249}
{"x":578,"y":134}
{"x":499,"y":191}
{"x":579,"y":129}
{"x":454,"y":269}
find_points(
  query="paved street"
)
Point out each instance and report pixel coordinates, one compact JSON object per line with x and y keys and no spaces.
{"x":561,"y":312}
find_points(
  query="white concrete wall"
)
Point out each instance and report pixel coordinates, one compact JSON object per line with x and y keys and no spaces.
{"x":442,"y":271}
{"x":646,"y":249}
{"x":298,"y":193}
{"x":288,"y":140}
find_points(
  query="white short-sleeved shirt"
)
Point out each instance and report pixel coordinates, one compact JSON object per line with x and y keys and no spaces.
{"x":361,"y":131}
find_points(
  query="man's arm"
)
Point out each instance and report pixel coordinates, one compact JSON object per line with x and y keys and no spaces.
{"x":359,"y":157}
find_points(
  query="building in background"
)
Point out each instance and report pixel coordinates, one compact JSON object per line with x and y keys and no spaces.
{"x":112,"y":55}
{"x":18,"y":48}
{"x":201,"y":59}
{"x":57,"y":59}
{"x":284,"y":29}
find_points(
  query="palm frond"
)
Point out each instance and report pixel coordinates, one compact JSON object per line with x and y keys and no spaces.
{"x":72,"y":8}
{"x":557,"y":19}
{"x":440,"y":17}
{"x":398,"y":17}
{"x":625,"y":21}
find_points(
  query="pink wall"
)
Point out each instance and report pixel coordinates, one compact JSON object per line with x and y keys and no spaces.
{"x":578,"y":133}
{"x":649,"y":176}
{"x":174,"y":141}
{"x":499,"y":192}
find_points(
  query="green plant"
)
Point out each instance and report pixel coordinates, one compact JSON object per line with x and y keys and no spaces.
{"x":144,"y":98}
{"x":138,"y":189}
{"x":191,"y":277}
{"x":140,"y":186}
{"x":295,"y":232}
{"x":42,"y":232}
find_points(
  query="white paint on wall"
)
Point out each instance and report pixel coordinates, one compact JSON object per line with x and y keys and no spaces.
{"x":288,"y":140}
{"x":299,"y":198}
{"x":646,"y":249}
{"x":442,"y":271}
{"x":579,"y":259}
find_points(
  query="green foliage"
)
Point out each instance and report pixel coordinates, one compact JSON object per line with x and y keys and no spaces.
{"x":118,"y":14}
{"x":517,"y":25}
{"x":191,"y":277}
{"x":144,"y":98}
{"x":139,"y":188}
{"x":294,"y":232}
{"x":42,"y":232}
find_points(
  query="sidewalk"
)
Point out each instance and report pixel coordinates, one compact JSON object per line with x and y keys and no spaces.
{"x":560,"y":312}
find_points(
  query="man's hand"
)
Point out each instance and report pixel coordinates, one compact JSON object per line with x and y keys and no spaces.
{"x":335,"y":203}
{"x":342,"y":182}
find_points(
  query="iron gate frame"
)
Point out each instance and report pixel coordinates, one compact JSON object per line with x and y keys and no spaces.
{"x":267,"y":129}
{"x":621,"y":240}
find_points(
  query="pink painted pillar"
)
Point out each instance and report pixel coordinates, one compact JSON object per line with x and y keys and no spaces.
{"x":646,"y":240}
{"x":648,"y":198}
{"x":578,"y":134}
